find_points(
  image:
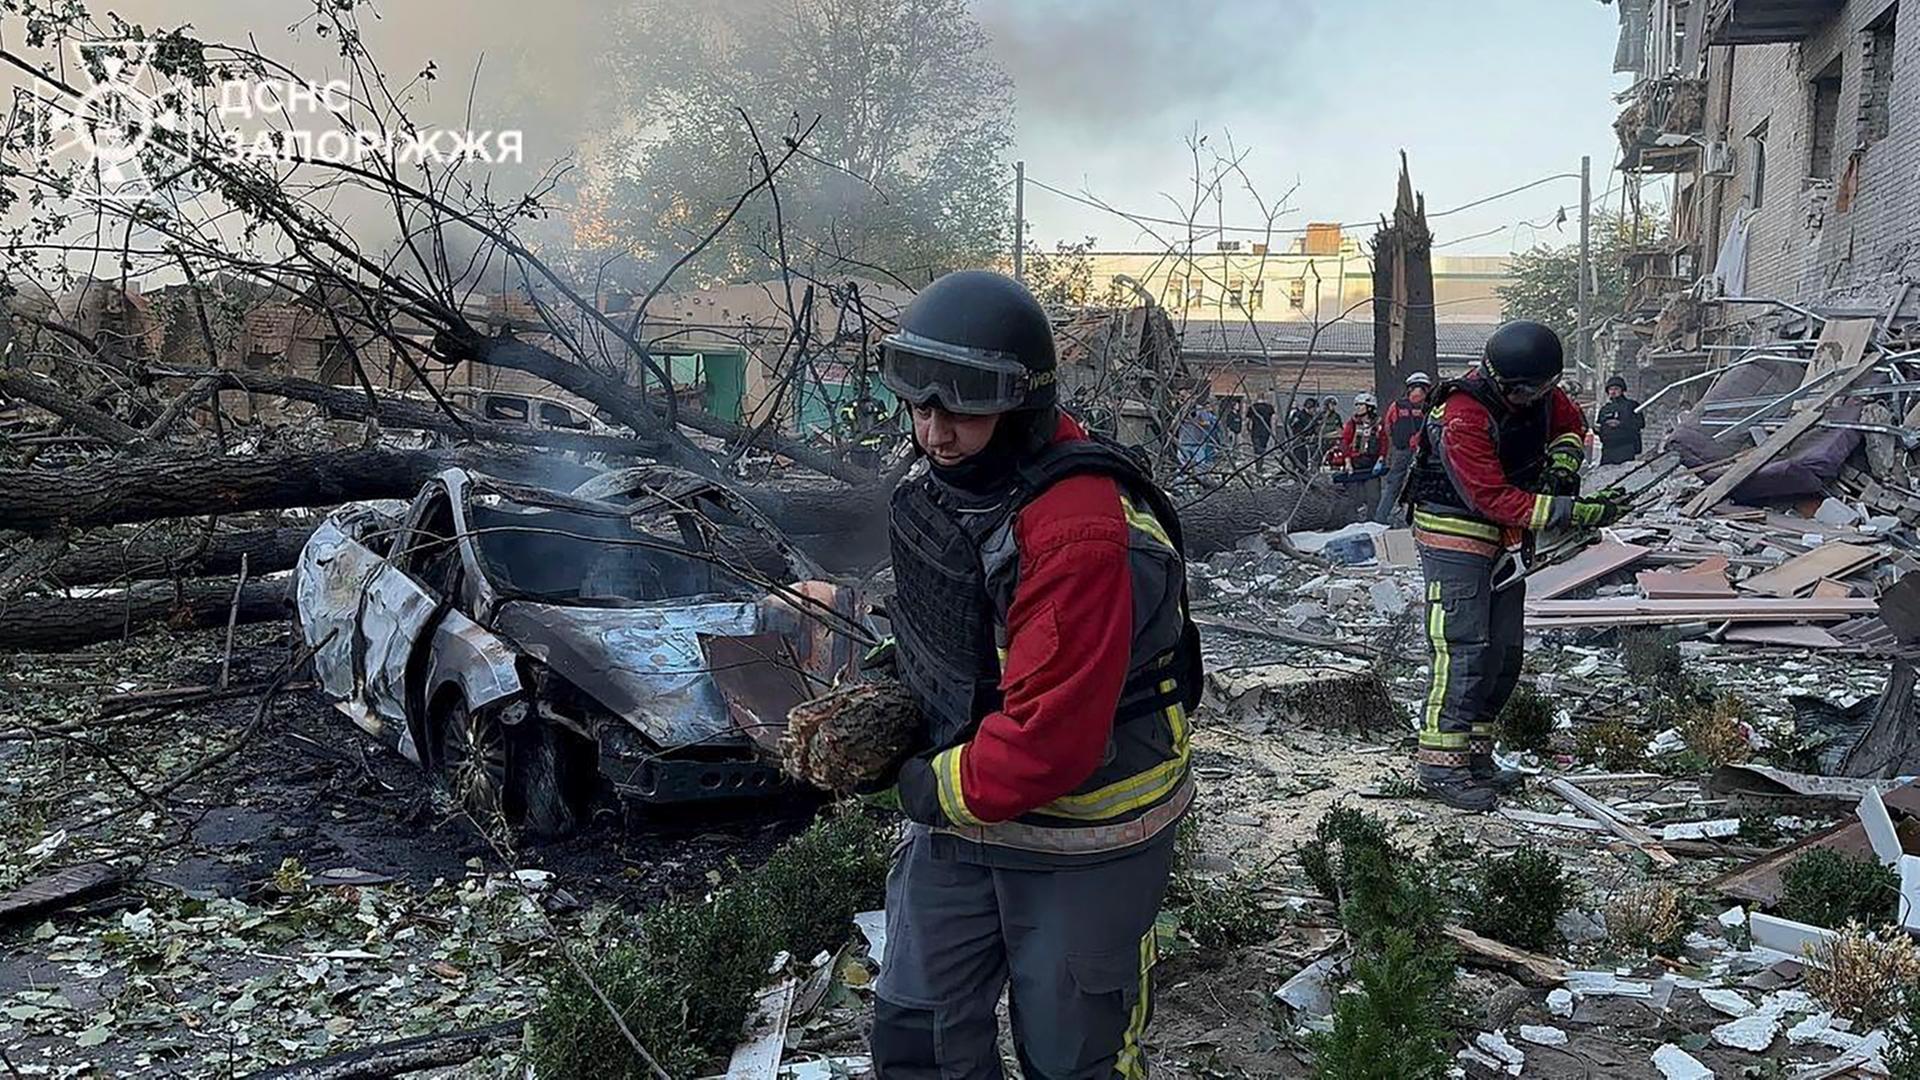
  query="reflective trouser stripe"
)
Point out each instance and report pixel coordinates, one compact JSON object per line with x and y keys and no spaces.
{"x":1431,"y":737}
{"x":1132,"y":1063}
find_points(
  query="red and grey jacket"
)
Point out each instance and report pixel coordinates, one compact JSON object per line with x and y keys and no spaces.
{"x":1044,"y":632}
{"x":1480,"y":459}
{"x":1402,"y":422}
{"x":1359,"y":443}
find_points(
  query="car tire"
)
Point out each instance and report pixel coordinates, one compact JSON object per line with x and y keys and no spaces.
{"x":475,"y":764}
{"x":546,"y":781}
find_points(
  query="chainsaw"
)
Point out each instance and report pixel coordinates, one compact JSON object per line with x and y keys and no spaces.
{"x":1554,"y":546}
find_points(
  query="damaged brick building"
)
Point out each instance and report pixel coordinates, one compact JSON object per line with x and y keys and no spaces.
{"x":1790,"y":131}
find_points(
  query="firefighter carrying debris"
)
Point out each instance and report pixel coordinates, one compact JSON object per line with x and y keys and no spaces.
{"x":1040,"y":615}
{"x":1499,"y":458}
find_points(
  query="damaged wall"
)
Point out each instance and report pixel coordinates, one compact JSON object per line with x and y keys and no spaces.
{"x":1811,"y":239}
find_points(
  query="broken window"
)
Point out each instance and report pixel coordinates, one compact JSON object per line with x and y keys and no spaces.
{"x":1826,"y":117}
{"x":1176,"y":294}
{"x":561,"y":417}
{"x":1876,"y":85}
{"x":511,"y":409}
{"x":1196,"y":292}
{"x":1297,"y":294}
{"x":1257,"y":296}
{"x":1757,"y":171}
{"x":1236,"y":288}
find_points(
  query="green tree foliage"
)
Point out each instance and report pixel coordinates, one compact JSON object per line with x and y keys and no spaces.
{"x":1544,"y":281}
{"x":905,"y":170}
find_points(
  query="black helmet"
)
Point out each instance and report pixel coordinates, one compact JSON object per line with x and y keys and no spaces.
{"x":1617,"y":381}
{"x":976,"y":341}
{"x":1524,"y":354}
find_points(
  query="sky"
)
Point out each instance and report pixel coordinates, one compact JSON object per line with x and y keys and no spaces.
{"x":1319,"y":95}
{"x":1483,"y":95}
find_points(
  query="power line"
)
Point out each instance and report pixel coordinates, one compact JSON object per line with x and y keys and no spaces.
{"x":1266,"y":230}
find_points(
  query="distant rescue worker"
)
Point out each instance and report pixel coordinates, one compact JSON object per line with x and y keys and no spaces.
{"x":1499,"y":458}
{"x":1401,"y":425}
{"x":865,"y":421}
{"x":1358,"y":455}
{"x":1260,"y":426}
{"x":1303,"y":432}
{"x":1620,"y":424}
{"x":1040,"y":615}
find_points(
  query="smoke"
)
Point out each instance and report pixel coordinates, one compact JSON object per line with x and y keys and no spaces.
{"x":1076,"y":63}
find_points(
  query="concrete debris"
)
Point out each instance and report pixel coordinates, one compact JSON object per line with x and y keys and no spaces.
{"x":1494,"y":1044}
{"x":1751,"y":1033}
{"x":1309,"y":992}
{"x":1730,"y":1002}
{"x":1560,"y":1003}
{"x":1676,"y":1064}
{"x":1701,"y":830}
{"x":873,"y":926}
{"x":1542,"y":1035}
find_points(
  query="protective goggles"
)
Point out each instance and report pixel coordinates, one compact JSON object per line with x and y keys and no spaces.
{"x":976,"y":382}
{"x":1525,"y":389}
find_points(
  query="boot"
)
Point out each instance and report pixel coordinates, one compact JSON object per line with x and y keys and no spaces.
{"x":1487,"y":771}
{"x":1461,"y":790}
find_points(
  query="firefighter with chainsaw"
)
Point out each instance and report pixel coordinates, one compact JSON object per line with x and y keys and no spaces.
{"x":1041,"y":626}
{"x":1498,"y":459}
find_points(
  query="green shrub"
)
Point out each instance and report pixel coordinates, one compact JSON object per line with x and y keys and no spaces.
{"x":1340,"y":833}
{"x":1612,"y":744}
{"x":685,"y":978}
{"x":1827,"y":888}
{"x":1903,"y":1046}
{"x":1387,"y":891}
{"x":1398,"y":1026}
{"x":1519,"y":898}
{"x":1526,"y":721}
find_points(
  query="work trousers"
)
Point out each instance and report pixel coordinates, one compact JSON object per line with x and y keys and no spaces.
{"x":1399,"y":464}
{"x":1076,"y":945}
{"x":1478,"y":645}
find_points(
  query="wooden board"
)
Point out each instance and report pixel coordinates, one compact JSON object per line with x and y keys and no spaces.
{"x":1805,"y":637}
{"x":1738,"y":609}
{"x":1595,"y":562}
{"x":1609,"y":817}
{"x":1827,"y":589}
{"x":1797,"y":425}
{"x":1673,"y":585}
{"x":1801,"y":572}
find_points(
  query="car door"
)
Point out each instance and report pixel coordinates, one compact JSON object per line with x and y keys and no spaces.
{"x":396,"y":610}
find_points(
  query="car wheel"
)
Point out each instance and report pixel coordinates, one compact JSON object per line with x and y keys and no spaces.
{"x":474,"y":763}
{"x":547,"y":786}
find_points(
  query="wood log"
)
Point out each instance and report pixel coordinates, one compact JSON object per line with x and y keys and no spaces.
{"x":123,"y":492}
{"x":58,"y":623}
{"x":109,"y":559}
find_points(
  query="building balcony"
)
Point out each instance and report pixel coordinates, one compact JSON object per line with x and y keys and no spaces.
{"x":1767,"y":22}
{"x":1660,"y":129}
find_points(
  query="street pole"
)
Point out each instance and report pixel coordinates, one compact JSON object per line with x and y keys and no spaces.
{"x":1582,"y":349}
{"x":1020,"y":221}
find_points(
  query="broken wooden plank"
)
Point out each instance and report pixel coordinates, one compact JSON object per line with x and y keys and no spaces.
{"x":1558,"y":821}
{"x":1608,"y":816}
{"x":1636,"y":610}
{"x":60,"y":889}
{"x":1682,"y":585}
{"x":757,"y":1057}
{"x":1595,"y":562}
{"x":1532,"y":968}
{"x":1802,"y":572}
{"x":1799,"y":637}
{"x":1827,"y":588}
{"x":1796,"y":425}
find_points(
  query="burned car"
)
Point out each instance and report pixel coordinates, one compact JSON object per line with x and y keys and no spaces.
{"x":542,"y":650}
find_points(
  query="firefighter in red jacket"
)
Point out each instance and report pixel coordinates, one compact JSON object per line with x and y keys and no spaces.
{"x":1040,"y":619}
{"x":1401,"y":426}
{"x":1499,"y":458}
{"x":1357,"y":459}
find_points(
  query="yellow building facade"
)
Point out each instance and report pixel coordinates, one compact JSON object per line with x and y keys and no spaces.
{"x":1319,"y":278}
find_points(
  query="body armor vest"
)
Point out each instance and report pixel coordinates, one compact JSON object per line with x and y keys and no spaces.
{"x":1519,"y":437}
{"x":955,"y":565}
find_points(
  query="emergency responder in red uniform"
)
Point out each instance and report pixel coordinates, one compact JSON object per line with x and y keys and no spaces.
{"x":1401,"y":423}
{"x":1040,"y":620}
{"x":1499,"y":457}
{"x":1357,"y":458}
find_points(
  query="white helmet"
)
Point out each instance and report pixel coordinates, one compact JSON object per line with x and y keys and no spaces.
{"x":1365,"y":398}
{"x":1419,"y":378}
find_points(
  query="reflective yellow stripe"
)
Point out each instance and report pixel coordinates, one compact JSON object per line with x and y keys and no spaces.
{"x":1455,"y":526}
{"x":1144,"y":520}
{"x":1132,"y":1064}
{"x":1142,"y":788}
{"x":1569,"y":441}
{"x":1431,"y":737}
{"x":1542,"y":510}
{"x":953,"y":799}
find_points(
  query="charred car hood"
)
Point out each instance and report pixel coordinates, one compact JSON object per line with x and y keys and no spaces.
{"x":643,"y":663}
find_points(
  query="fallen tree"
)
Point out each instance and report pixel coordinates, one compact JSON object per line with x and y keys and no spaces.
{"x":113,"y":560}
{"x":37,"y":623}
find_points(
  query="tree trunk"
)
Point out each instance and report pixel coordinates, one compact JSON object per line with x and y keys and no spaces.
{"x":107,"y":559}
{"x":58,"y":623}
{"x":122,"y":492}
